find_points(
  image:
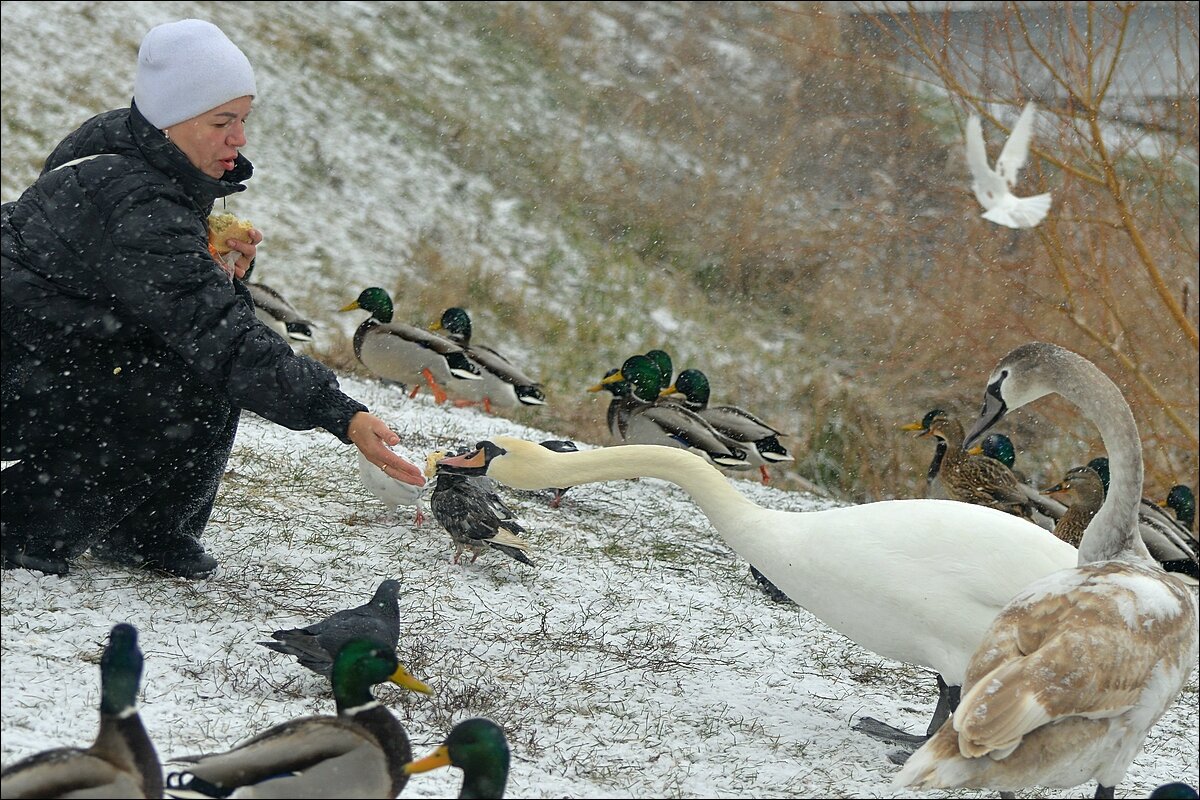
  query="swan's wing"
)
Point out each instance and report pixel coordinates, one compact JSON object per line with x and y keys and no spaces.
{"x":1085,"y":643}
{"x":989,"y":187}
{"x":1016,"y":149}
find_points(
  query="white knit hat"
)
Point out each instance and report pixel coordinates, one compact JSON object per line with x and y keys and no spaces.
{"x":186,"y":68}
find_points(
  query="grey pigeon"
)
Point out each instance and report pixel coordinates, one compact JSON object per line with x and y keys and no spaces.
{"x":315,"y":645}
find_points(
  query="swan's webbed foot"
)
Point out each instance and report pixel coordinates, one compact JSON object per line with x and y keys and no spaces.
{"x":888,"y":733}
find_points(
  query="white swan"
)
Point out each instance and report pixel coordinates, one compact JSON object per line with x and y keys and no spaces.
{"x":993,"y":187}
{"x":1079,"y":666}
{"x":918,"y":581}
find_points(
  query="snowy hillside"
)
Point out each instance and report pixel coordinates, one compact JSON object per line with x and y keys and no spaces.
{"x":638,"y":658}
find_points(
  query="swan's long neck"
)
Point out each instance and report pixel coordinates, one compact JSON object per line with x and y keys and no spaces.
{"x":1113,"y":532}
{"x":535,"y":467}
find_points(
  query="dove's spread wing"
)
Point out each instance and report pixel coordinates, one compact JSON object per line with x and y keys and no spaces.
{"x":989,"y":187}
{"x":1016,"y":149}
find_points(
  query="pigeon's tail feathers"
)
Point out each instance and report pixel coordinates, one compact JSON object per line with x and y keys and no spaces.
{"x":1026,"y":212}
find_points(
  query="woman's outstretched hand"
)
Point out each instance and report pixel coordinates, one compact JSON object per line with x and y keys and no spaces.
{"x":374,"y":438}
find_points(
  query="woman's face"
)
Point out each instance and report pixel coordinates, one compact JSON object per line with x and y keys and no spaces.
{"x":211,"y":140}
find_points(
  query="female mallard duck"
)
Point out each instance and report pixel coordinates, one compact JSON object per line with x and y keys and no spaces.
{"x":1046,"y":510}
{"x":389,"y":491}
{"x":121,"y":762}
{"x":503,"y":384}
{"x":315,"y":646}
{"x":1078,"y":667}
{"x":636,"y":416}
{"x":917,"y":611}
{"x":359,"y":753}
{"x":473,"y":514}
{"x":479,"y":748}
{"x":975,"y":479}
{"x":757,"y":438}
{"x":1182,"y":500}
{"x":406,"y":353}
{"x":1086,"y":494}
{"x":1171,"y":544}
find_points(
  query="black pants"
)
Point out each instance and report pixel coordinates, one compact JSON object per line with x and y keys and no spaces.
{"x":118,"y":446}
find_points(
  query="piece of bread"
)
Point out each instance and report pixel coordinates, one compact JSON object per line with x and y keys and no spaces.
{"x":222,"y":227}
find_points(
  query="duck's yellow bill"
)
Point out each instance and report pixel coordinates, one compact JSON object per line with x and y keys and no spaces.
{"x":349,"y":306}
{"x":401,"y":678}
{"x":438,"y":758}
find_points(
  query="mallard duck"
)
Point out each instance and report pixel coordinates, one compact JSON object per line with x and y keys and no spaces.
{"x":1078,"y":667}
{"x":473,"y":514}
{"x":503,"y":384}
{"x":389,"y":491}
{"x":1175,"y":791}
{"x":933,"y":487}
{"x":1169,"y":542}
{"x":993,"y":188}
{"x":758,"y":439}
{"x":273,"y":309}
{"x":662,"y":360}
{"x":975,"y":479}
{"x":315,"y":646}
{"x":1046,"y":510}
{"x":636,"y":416}
{"x":917,"y":611}
{"x":121,"y":762}
{"x":1082,"y":485}
{"x":479,"y":748}
{"x":1182,"y":500}
{"x":359,"y":753}
{"x":406,"y":353}
{"x":278,"y":314}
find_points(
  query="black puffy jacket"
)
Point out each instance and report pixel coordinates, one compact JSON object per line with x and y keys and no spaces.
{"x":108,"y":257}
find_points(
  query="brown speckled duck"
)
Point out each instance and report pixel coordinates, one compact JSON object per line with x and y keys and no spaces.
{"x":974,"y":479}
{"x":1084,"y":494}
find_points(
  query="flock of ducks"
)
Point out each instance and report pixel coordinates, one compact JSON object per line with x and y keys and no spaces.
{"x":1054,"y":654}
{"x":361,"y":751}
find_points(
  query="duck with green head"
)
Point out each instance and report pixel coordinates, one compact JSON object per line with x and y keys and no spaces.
{"x":406,"y":353}
{"x":640,"y":418}
{"x":1182,"y":500}
{"x":757,"y":438}
{"x":932,"y":487}
{"x":503,"y":384}
{"x":121,"y":762}
{"x":359,"y":753}
{"x":479,"y":748}
{"x":662,"y":360}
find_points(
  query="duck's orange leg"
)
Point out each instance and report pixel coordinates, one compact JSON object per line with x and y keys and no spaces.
{"x":439,"y":394}
{"x":414,"y":391}
{"x":765,"y":477}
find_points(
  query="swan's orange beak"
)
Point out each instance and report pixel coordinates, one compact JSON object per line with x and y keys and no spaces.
{"x":476,"y":459}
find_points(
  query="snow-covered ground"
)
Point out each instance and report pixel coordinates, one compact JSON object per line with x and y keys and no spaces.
{"x":637,"y":659}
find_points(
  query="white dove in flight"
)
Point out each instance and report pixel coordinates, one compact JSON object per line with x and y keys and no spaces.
{"x":993,"y":187}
